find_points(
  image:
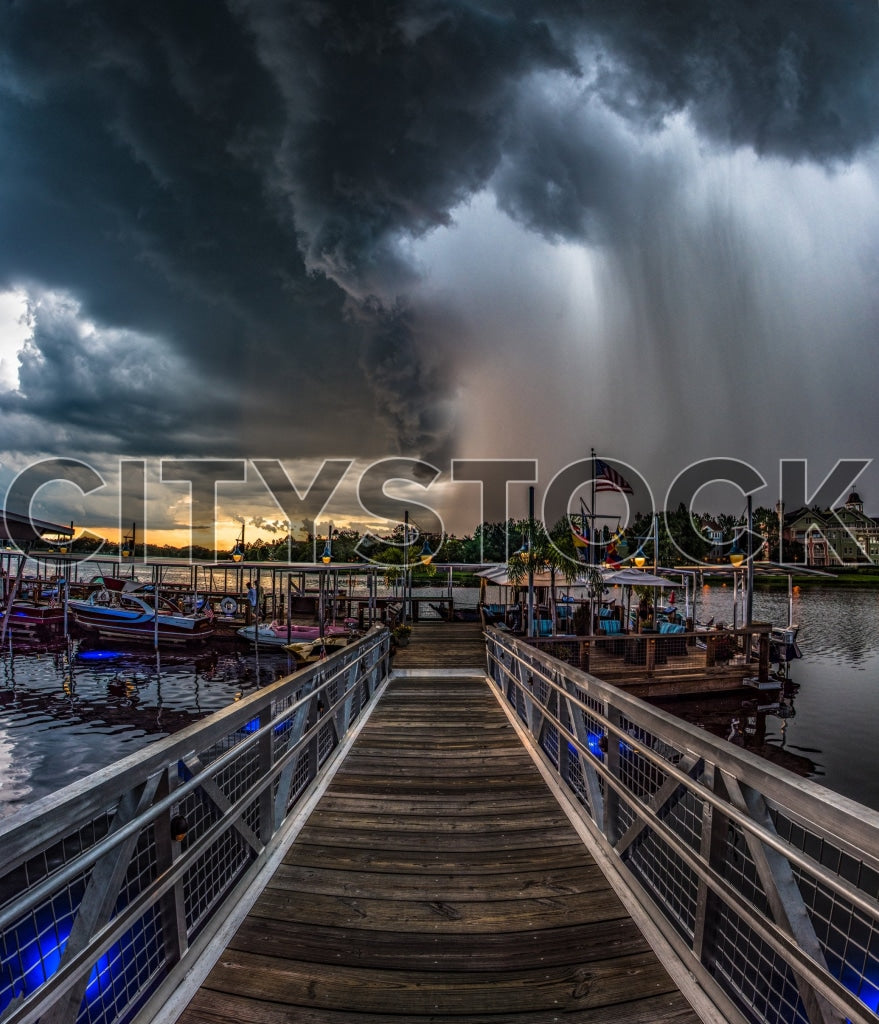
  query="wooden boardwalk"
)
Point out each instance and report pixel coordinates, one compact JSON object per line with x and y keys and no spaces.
{"x":438,"y":645}
{"x":438,"y":880}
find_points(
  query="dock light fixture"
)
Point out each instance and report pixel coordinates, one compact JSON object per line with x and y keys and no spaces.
{"x":426,"y":554}
{"x":736,"y":558}
{"x":128,"y":542}
{"x":327,"y":555}
{"x":639,"y":561}
{"x":238,"y":550}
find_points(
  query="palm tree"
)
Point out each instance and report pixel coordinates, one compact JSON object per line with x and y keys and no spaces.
{"x":542,"y":551}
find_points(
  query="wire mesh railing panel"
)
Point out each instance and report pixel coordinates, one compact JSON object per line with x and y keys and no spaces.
{"x":641,"y":776}
{"x":766,"y":884}
{"x":32,"y":945}
{"x":176,"y":827}
{"x":739,"y":869}
{"x":125,"y":974}
{"x":301,"y":779}
{"x":549,"y":741}
{"x":849,"y":939}
{"x":325,"y":741}
{"x":212,"y":875}
{"x":673,"y":886}
{"x":576,"y":779}
{"x":757,"y":977}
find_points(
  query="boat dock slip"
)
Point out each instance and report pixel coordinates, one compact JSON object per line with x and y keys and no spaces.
{"x":438,"y":878}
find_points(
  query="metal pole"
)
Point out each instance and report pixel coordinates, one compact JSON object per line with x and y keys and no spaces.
{"x":749,"y":597}
{"x":157,"y":578}
{"x":405,"y":560}
{"x":530,"y":561}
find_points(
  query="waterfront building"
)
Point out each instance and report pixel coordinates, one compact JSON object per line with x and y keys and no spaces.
{"x":844,"y":535}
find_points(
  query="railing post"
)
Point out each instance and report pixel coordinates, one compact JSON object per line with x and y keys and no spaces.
{"x":266,"y":756}
{"x":763,"y":663}
{"x":612,"y":762}
{"x":173,"y":909}
{"x":711,"y":850}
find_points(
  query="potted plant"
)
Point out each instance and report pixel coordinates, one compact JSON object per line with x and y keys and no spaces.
{"x":401,"y":634}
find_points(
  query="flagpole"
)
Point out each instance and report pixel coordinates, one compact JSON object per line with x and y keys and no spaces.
{"x":530,"y":562}
{"x":591,"y":548}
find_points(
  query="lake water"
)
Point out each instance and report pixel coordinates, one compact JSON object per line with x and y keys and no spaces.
{"x":62,"y":717}
{"x":830,"y":734}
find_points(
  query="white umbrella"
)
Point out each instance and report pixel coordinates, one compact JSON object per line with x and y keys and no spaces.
{"x":636,"y":578}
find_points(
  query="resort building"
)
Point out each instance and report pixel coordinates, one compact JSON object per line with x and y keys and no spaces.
{"x":845,"y":535}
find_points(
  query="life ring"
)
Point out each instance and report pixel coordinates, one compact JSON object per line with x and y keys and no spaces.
{"x":228,"y":606}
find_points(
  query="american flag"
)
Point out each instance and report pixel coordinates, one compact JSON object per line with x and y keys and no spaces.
{"x":607,"y":479}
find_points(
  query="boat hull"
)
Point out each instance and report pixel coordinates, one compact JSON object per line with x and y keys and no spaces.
{"x":281,"y":635}
{"x":140,"y":626}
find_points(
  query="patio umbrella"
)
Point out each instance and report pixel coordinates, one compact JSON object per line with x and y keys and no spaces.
{"x":635,"y":578}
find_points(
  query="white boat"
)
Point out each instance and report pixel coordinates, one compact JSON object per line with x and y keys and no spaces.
{"x":282,"y":633}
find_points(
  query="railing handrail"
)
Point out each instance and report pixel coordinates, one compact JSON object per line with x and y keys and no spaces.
{"x":239,"y":774}
{"x":774,"y":780}
{"x":96,"y":787}
{"x":637,"y":792}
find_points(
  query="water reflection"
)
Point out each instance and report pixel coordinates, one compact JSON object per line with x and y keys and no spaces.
{"x":824,"y":728}
{"x":64,"y":715}
{"x":68,"y":712}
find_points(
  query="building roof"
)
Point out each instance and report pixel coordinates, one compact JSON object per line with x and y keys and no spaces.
{"x":24,"y":529}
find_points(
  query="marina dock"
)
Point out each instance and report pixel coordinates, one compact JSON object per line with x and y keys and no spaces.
{"x":368,"y":840}
{"x":438,"y":877}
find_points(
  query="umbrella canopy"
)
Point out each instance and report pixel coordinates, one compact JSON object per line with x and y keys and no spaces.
{"x":498,"y":575}
{"x":635,"y":578}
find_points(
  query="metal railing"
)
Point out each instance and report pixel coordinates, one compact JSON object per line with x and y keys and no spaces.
{"x":105,"y":886}
{"x":766,"y":885}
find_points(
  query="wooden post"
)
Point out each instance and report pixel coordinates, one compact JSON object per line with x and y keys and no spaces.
{"x":763,"y":664}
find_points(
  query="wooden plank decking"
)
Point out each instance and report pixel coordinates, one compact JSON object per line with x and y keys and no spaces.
{"x":439,"y":645}
{"x":438,"y":880}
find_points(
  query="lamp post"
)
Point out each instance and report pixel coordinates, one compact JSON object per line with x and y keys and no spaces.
{"x":128,"y":542}
{"x":238,"y":549}
{"x":749,"y":594}
{"x":405,"y":562}
{"x":530,"y":561}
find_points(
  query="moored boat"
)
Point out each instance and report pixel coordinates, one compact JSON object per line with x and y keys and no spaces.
{"x":282,"y":633}
{"x":306,"y":653}
{"x":126,"y":610}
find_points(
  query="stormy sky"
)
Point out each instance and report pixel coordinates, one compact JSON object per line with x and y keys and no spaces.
{"x":312,"y":230}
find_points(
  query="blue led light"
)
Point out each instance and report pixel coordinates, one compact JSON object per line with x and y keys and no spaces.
{"x":98,"y":655}
{"x":593,"y":740}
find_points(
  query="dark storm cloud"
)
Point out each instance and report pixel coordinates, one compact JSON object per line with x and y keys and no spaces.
{"x":789,"y":78}
{"x":244,"y":182}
